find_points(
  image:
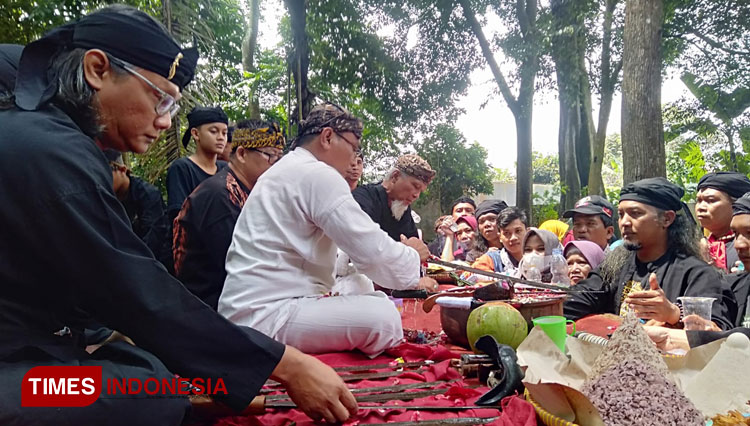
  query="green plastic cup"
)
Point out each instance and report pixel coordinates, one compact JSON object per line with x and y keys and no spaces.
{"x":555,"y":327}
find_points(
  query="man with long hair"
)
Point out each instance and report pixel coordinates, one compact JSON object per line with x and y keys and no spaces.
{"x":68,"y":253}
{"x":660,"y":261}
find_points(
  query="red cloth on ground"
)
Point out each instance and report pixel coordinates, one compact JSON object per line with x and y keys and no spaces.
{"x":516,"y":411}
{"x":459,"y":394}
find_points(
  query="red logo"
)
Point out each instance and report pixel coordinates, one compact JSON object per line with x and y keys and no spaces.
{"x":61,"y":386}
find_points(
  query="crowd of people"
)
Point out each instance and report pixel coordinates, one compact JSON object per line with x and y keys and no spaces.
{"x":268,"y":250}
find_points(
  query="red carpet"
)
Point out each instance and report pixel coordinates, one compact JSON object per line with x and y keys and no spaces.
{"x":461,"y":392}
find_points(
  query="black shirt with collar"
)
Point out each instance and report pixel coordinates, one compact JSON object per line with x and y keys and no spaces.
{"x":678,"y":275}
{"x":203,"y":232}
{"x":66,"y":244}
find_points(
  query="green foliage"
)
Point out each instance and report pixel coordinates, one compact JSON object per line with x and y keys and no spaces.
{"x":612,"y":164}
{"x":461,"y":168}
{"x":546,"y":169}
{"x":725,"y":106}
{"x":503,"y":175}
{"x":26,"y":20}
{"x":709,"y":38}
{"x":545,"y":206}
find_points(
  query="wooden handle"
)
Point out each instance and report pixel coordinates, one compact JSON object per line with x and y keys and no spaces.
{"x":256,"y":406}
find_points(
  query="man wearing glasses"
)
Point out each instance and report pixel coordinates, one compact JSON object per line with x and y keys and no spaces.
{"x":67,"y":246}
{"x":280,"y":265}
{"x":203,"y":228}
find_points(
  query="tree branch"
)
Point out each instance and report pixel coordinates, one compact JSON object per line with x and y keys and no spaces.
{"x":717,"y":45}
{"x":489,"y":57}
{"x":523,"y":17}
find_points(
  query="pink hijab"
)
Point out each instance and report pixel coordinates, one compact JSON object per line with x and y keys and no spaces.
{"x":593,"y":254}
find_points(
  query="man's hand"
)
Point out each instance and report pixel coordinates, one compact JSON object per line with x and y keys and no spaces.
{"x":695,"y":322}
{"x":418,"y":245}
{"x":653,"y":304}
{"x":445,"y":227}
{"x":427,"y":283}
{"x":314,"y":387}
{"x":667,"y":339}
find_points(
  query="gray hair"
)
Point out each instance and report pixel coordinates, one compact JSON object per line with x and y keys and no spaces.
{"x":389,"y":174}
{"x":74,"y":95}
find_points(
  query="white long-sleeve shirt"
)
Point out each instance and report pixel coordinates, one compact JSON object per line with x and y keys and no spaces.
{"x":284,"y":244}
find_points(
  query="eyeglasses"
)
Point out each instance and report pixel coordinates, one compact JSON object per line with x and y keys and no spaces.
{"x":272,"y":158}
{"x":357,"y":149}
{"x":167,"y":103}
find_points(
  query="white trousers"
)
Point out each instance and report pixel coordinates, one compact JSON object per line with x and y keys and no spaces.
{"x":369,"y":322}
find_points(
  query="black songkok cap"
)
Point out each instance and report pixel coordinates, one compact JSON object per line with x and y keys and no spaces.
{"x":490,"y":206}
{"x":10,"y":55}
{"x":657,"y":192}
{"x":742,"y":205}
{"x":202,"y":115}
{"x":138,"y":40}
{"x":733,"y":183}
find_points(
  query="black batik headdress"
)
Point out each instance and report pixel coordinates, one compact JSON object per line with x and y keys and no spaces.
{"x":141,"y":42}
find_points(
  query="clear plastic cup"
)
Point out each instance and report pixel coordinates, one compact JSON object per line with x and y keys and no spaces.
{"x":695,"y":309}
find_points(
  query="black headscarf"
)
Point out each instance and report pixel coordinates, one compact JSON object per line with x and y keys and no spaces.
{"x":657,"y":192}
{"x":140,"y":42}
{"x":733,"y":183}
{"x":203,"y":115}
{"x":490,"y":206}
{"x":742,"y":205}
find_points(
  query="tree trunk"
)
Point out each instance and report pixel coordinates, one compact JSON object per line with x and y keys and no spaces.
{"x":174,"y":147}
{"x":524,"y":168}
{"x":732,"y":150}
{"x":299,"y":59}
{"x":249,"y":44}
{"x":643,"y":152}
{"x":575,"y":135}
{"x":609,"y":75}
{"x":521,"y":107}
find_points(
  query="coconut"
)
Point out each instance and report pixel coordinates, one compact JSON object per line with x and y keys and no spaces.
{"x":499,"y":320}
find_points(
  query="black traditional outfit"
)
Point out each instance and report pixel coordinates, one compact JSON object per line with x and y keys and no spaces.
{"x":10,"y":54}
{"x":740,"y":284}
{"x":145,"y":208}
{"x":203,"y":228}
{"x":66,"y":245}
{"x":183,"y":175}
{"x":721,"y":247}
{"x":678,"y":274}
{"x":373,"y":198}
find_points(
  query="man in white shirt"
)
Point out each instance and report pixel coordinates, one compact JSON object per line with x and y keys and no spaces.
{"x":280,"y":265}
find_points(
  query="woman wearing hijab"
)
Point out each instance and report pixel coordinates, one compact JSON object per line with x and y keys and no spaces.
{"x":541,"y":243}
{"x":583,"y":257}
{"x":559,"y":228}
{"x":466,"y":235}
